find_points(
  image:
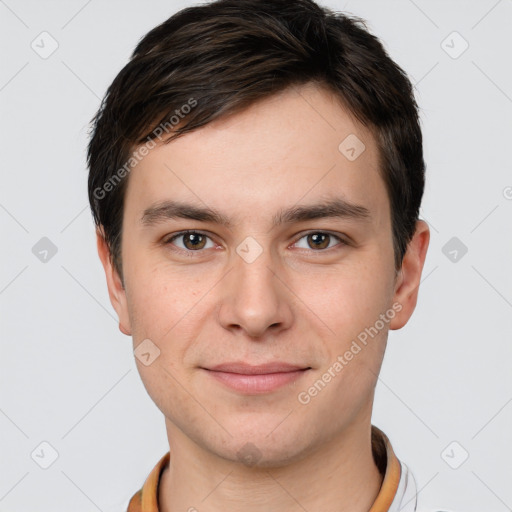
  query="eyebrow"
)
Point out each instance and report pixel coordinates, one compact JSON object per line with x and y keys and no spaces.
{"x":333,"y":208}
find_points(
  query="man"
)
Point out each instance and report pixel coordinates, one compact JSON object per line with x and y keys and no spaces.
{"x":256,"y":174}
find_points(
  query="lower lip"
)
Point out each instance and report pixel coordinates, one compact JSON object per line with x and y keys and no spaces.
{"x":255,"y":384}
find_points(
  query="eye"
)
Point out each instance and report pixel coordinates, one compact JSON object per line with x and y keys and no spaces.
{"x":191,"y":241}
{"x":319,"y":240}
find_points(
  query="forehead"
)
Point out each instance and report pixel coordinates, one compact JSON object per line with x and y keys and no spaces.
{"x":297,"y":146}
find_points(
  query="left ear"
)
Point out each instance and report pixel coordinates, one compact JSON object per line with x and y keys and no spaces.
{"x":408,"y":280}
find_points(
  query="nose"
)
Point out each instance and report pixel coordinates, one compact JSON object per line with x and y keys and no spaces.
{"x":254,"y":299}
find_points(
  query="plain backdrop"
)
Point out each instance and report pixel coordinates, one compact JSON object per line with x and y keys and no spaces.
{"x":67,"y":375}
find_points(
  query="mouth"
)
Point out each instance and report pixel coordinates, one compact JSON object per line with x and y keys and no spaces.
{"x":256,"y":379}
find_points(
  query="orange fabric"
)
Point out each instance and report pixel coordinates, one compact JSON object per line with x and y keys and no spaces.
{"x":146,"y":499}
{"x":391,"y":477}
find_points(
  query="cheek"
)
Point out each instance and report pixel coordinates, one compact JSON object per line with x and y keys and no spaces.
{"x":159,"y":299}
{"x":169,"y":308}
{"x":348,"y":301}
{"x":163,"y":313}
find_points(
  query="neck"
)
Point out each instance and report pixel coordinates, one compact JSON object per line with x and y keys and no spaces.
{"x":340,"y":476}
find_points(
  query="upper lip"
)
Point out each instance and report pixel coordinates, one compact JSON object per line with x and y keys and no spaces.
{"x":260,"y":369}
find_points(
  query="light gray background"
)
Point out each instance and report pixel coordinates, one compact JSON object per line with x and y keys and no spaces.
{"x":68,"y":375}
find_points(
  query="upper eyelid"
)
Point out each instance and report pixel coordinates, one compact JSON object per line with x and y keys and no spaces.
{"x":186,"y":232}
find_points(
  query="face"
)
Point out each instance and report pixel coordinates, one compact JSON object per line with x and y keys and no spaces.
{"x":258,"y":262}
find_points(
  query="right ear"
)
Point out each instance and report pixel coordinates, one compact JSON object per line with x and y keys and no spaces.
{"x":115,"y":286}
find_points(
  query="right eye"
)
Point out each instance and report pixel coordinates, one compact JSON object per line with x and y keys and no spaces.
{"x":191,"y":241}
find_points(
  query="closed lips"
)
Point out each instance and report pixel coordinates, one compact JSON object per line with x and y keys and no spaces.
{"x":245,"y":369}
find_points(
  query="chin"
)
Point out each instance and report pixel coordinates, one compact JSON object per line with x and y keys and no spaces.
{"x":257,"y":448}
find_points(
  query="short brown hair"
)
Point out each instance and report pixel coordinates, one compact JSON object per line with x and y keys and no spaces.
{"x":222,"y":57}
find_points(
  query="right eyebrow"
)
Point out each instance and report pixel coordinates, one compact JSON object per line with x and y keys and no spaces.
{"x":166,"y":210}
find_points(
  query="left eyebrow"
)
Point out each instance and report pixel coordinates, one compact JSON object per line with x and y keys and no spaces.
{"x":334,"y":208}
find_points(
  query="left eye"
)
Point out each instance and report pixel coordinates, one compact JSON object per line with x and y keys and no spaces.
{"x":192,"y":241}
{"x":319,"y":240}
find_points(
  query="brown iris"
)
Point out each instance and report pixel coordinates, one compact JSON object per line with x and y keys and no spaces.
{"x":320,"y":240}
{"x":194,"y":241}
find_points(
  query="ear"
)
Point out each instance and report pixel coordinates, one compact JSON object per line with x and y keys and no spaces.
{"x":115,"y":286}
{"x":408,"y":280}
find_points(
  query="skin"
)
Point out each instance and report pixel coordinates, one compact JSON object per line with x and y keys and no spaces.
{"x":294,"y":303}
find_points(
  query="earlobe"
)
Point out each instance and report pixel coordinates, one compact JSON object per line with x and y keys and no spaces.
{"x":116,"y":290}
{"x":408,"y":280}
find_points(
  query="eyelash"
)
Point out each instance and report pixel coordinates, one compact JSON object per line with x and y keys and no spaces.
{"x":190,"y":253}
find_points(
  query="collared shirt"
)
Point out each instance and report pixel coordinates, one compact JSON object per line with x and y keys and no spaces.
{"x":397,"y":492}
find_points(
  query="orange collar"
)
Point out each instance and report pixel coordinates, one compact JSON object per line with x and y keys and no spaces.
{"x":146,"y":499}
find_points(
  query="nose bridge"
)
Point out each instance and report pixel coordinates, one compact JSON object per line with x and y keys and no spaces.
{"x":255,"y":269}
{"x":252,"y":297}
{"x":254,"y":279}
